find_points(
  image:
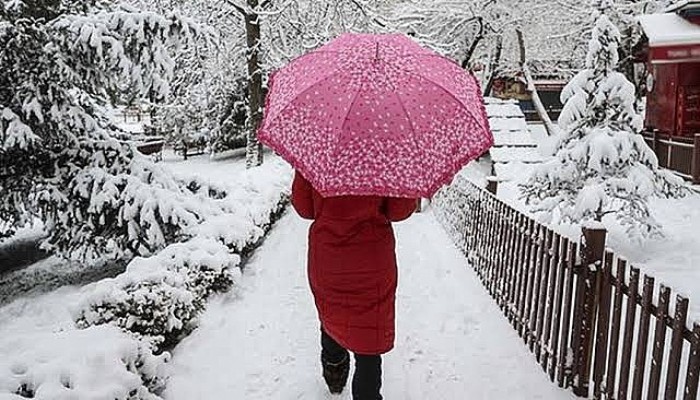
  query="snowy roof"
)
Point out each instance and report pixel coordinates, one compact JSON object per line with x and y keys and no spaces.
{"x":514,"y":154}
{"x":504,"y":110}
{"x":494,"y":100}
{"x":682,"y":4}
{"x":508,"y":124}
{"x":669,"y":29}
{"x":517,"y":139}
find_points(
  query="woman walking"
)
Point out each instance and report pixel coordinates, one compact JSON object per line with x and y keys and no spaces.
{"x":353,"y":276}
{"x":371,"y":123}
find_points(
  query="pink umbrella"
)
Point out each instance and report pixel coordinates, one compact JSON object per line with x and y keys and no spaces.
{"x":375,"y":115}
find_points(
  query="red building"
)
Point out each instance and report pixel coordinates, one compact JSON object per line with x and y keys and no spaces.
{"x":672,"y":56}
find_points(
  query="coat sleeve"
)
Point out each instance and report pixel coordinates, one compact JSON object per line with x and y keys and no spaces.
{"x":302,"y":197}
{"x":396,"y":209}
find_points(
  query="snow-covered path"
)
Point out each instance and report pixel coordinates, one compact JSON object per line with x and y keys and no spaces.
{"x":452,"y":342}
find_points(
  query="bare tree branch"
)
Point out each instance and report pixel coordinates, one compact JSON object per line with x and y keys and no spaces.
{"x":239,"y":8}
{"x":361,"y":7}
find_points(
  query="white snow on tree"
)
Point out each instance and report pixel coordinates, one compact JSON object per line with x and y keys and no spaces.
{"x":464,"y":31}
{"x":62,"y":61}
{"x":207,"y":104}
{"x":602,"y":166}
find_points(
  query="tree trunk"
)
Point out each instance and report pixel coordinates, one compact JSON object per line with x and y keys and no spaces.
{"x":495,"y":63}
{"x":539,"y":106}
{"x":521,"y":46}
{"x":472,"y":48}
{"x":254,"y":154}
{"x":626,"y":59}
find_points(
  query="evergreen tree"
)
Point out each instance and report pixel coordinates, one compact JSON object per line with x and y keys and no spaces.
{"x":602,"y":165}
{"x":61,"y":62}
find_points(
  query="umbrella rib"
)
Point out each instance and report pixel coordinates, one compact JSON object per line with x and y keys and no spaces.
{"x":446,"y":91}
{"x":345,"y":121}
{"x":413,"y":129}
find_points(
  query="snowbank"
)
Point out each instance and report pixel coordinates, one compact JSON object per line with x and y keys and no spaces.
{"x":121,"y":323}
{"x":46,"y":356}
{"x":101,"y":362}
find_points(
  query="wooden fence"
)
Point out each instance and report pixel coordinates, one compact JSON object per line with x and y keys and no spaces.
{"x":679,"y":154}
{"x":585,"y":314}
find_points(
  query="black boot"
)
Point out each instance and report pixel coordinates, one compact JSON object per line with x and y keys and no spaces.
{"x":336,"y":374}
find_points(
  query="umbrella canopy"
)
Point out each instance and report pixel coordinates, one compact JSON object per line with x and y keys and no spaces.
{"x":375,"y":115}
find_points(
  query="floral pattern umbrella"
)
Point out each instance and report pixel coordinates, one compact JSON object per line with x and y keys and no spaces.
{"x":375,"y":115}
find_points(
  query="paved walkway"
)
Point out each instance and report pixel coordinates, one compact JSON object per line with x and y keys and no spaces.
{"x":452,"y":342}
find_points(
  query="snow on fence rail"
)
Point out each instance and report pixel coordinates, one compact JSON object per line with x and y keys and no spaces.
{"x":585,"y":318}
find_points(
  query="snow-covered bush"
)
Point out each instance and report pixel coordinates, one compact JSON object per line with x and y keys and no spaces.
{"x":117,"y":203}
{"x":144,"y":311}
{"x":159,"y":298}
{"x":101,"y":362}
{"x":602,"y":165}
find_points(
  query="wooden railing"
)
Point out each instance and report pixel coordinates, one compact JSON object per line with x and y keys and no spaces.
{"x":584,"y":313}
{"x":679,"y":154}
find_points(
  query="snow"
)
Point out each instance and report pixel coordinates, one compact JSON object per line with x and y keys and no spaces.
{"x":220,"y":168}
{"x":506,"y":110}
{"x":97,"y":363}
{"x":261,"y":341}
{"x":513,"y":139}
{"x":45,"y":355}
{"x":510,"y":154}
{"x":507,"y":124}
{"x":159,"y":297}
{"x":42,"y":350}
{"x":673,"y":259}
{"x":669,"y":29}
{"x":546,"y":143}
{"x":133,"y":128}
{"x":513,"y":170}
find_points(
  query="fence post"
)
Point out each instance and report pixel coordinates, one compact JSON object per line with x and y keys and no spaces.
{"x":696,"y":159}
{"x":588,"y":293}
{"x":492,"y":184}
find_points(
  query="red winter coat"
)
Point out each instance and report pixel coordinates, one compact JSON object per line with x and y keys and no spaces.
{"x":352,"y":264}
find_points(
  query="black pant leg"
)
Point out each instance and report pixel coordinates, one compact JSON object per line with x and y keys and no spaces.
{"x":367,"y":382}
{"x":331,"y":351}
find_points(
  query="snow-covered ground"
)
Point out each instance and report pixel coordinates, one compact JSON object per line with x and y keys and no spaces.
{"x":261,"y":341}
{"x":221,"y":168}
{"x":43,"y":353}
{"x":675,"y":259}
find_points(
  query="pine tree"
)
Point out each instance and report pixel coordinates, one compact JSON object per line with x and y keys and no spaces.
{"x":59,"y":160}
{"x":602,"y":165}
